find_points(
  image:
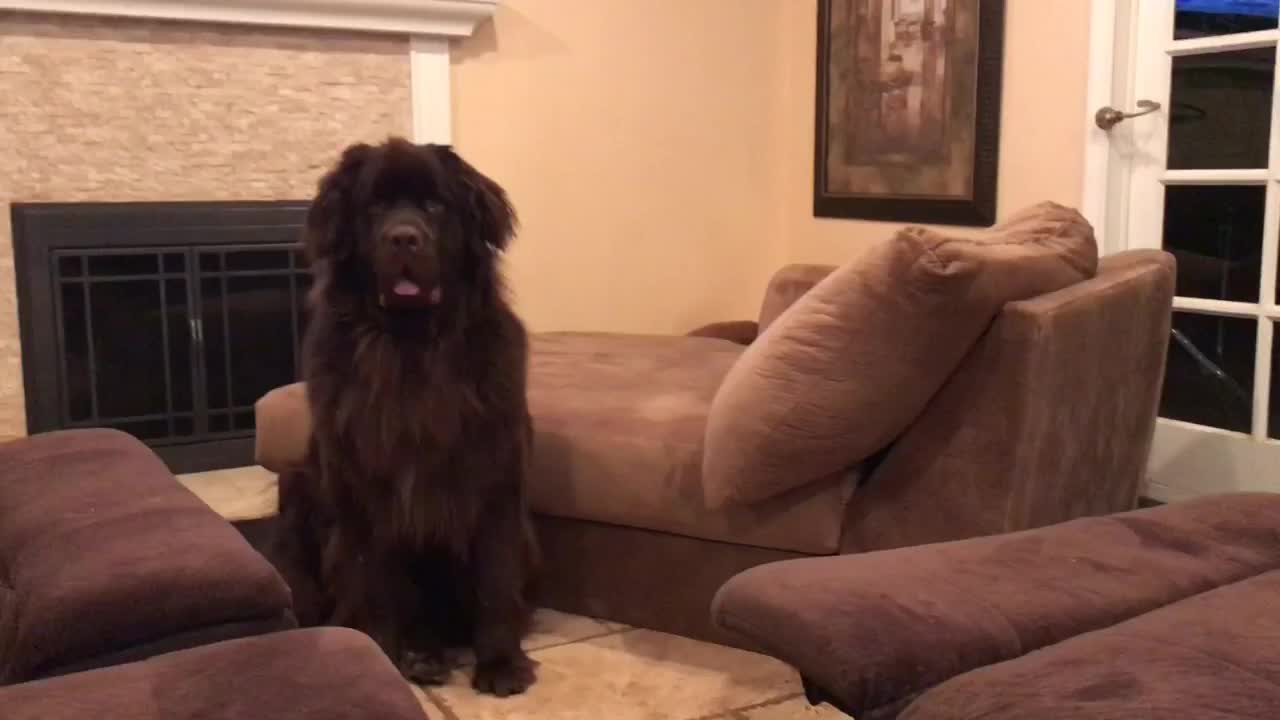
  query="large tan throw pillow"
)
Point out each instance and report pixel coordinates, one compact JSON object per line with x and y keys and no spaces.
{"x":853,"y":362}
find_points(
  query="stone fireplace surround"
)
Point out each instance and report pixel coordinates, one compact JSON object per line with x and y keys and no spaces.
{"x":144,"y":100}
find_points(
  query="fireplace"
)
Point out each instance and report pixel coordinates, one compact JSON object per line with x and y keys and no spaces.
{"x":164,"y":320}
{"x":174,"y":101}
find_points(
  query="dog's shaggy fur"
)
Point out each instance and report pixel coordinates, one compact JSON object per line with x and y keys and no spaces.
{"x":410,"y":522}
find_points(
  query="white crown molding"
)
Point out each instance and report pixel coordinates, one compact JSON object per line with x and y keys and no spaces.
{"x":442,"y":18}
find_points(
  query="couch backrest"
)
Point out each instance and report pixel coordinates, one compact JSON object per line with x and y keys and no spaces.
{"x":1049,"y":417}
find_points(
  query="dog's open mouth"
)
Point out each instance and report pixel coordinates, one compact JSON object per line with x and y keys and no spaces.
{"x":405,"y":292}
{"x":405,"y":287}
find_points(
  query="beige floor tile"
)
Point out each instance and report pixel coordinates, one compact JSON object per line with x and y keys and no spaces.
{"x":796,"y":708}
{"x":639,"y":675}
{"x":246,"y":493}
{"x":429,"y":708}
{"x":551,"y":628}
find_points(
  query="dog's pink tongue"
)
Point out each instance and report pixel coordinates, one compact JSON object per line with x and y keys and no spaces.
{"x":407,"y":288}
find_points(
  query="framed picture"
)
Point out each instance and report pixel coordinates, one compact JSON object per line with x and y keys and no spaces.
{"x":908,"y":110}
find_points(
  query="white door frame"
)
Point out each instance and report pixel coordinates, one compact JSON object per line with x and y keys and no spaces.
{"x":1203,"y":460}
{"x":1105,"y":191}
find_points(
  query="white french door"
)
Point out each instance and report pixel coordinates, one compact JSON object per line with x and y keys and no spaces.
{"x":1205,"y":186}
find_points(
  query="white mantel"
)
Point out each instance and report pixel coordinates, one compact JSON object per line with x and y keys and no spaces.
{"x":431,"y":24}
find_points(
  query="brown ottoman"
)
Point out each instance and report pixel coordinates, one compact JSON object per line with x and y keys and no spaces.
{"x":1214,"y":655}
{"x":106,"y":558}
{"x":317,"y":674}
{"x":872,"y":633}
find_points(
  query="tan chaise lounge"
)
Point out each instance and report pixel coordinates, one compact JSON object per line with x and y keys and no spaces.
{"x":934,"y":388}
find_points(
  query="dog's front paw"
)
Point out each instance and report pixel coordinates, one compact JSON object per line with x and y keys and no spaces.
{"x":424,"y":668}
{"x":504,"y":677}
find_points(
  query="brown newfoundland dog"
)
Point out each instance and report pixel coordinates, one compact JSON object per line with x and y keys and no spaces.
{"x":410,"y":522}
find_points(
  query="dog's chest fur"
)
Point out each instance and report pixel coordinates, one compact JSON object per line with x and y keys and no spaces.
{"x":411,"y":417}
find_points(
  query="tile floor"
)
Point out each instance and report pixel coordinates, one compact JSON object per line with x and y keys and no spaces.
{"x":587,"y":669}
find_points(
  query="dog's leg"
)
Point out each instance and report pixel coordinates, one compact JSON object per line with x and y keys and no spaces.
{"x":500,"y":566}
{"x":422,"y":659}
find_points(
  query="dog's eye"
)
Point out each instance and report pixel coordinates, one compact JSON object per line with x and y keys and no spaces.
{"x":434,"y":208}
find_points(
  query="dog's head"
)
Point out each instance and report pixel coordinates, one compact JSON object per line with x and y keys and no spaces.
{"x":406,"y":228}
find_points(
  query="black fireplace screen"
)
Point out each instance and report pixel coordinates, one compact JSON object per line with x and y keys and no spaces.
{"x":167,"y":321}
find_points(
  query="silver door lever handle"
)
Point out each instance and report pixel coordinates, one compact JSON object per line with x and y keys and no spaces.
{"x":1109,"y":117}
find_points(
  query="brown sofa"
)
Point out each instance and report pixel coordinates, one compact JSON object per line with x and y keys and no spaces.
{"x":314,"y":674}
{"x":105,"y":558}
{"x":982,"y":403}
{"x":1158,"y":613}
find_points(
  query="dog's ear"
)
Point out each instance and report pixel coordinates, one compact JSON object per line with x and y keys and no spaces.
{"x":483,"y":202}
{"x":327,"y":235}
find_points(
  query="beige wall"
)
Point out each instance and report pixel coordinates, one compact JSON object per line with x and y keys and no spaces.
{"x":1042,"y":122}
{"x":639,"y":141}
{"x":661,"y":151}
{"x":122,"y":110}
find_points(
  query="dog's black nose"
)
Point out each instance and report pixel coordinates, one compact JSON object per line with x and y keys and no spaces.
{"x":404,"y":237}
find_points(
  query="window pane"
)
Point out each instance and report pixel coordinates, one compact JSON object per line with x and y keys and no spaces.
{"x":1209,"y":376}
{"x":123,"y":264}
{"x":1215,"y":232}
{"x":1201,"y":18}
{"x":1220,"y":109}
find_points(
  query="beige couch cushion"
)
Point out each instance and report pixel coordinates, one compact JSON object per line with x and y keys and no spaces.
{"x":619,"y":423}
{"x":847,"y":367}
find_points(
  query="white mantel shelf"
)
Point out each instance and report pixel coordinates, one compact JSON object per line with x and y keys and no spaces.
{"x":439,"y":18}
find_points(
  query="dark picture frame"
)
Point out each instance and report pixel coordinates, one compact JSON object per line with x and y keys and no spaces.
{"x":908,"y":124}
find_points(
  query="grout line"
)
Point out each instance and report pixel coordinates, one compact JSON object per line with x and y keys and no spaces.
{"x":739,"y":713}
{"x":589,"y":638}
{"x":441,"y":704}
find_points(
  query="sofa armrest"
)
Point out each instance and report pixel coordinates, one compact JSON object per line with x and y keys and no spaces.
{"x":742,"y":332}
{"x":283,"y":428}
{"x":786,"y":286}
{"x":873,"y":631}
{"x":1050,"y":417}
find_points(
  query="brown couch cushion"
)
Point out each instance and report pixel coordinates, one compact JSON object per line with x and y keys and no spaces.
{"x":847,"y":367}
{"x":283,"y":423}
{"x":619,"y":423}
{"x":316,"y":674}
{"x":1216,"y":655}
{"x":103,"y":550}
{"x":873,"y":630}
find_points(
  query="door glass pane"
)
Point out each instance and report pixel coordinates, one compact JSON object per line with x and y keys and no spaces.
{"x":249,"y":322}
{"x":179,"y":329}
{"x":1215,"y":232}
{"x":1220,"y":109}
{"x":75,"y":353}
{"x":1201,"y":18}
{"x":127,"y":348}
{"x":261,"y":323}
{"x":1209,"y":376}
